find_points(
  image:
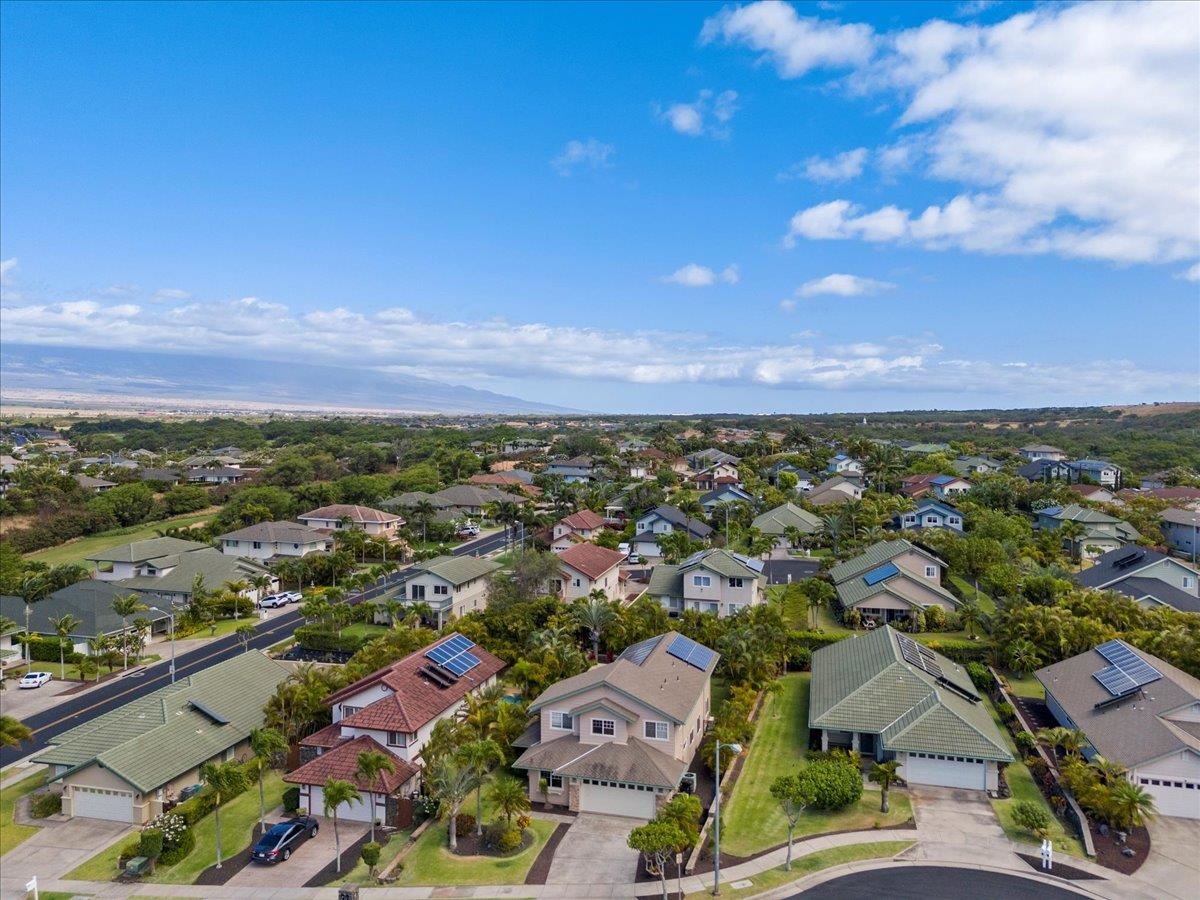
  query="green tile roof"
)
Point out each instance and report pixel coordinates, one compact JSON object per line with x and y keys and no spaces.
{"x":854,"y":591}
{"x":140,"y":551}
{"x":665,"y":581}
{"x":875,"y":555}
{"x":776,"y":521}
{"x":724,"y":563}
{"x":216,"y":567}
{"x":458,"y":569}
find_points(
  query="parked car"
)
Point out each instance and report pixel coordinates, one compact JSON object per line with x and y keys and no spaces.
{"x":274,"y":601}
{"x":467,"y":531}
{"x":293,"y":596}
{"x":190,"y":791}
{"x":280,"y":840}
{"x":34,"y":679}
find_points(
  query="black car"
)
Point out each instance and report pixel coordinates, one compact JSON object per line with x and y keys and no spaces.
{"x":280,"y":840}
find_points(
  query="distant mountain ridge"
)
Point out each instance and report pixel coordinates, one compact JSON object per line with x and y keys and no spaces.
{"x":135,"y":374}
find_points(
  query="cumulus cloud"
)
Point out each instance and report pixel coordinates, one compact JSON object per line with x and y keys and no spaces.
{"x":709,"y":114}
{"x":1067,"y":130}
{"x":7,"y":267}
{"x":842,"y":167}
{"x":842,"y":285}
{"x":589,"y":154}
{"x":1192,"y":274}
{"x":693,"y":275}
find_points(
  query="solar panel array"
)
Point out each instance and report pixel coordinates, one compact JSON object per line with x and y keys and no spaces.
{"x":1124,"y":562}
{"x":884,"y":572}
{"x":690,"y":652}
{"x":923,"y":658}
{"x":638,"y":652}
{"x":454,"y":655}
{"x":1127,"y":671}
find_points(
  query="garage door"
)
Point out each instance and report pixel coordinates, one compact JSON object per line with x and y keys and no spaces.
{"x":946,"y":771}
{"x":352,"y":812}
{"x":1173,"y":796}
{"x":616,"y":801}
{"x":97,"y":803}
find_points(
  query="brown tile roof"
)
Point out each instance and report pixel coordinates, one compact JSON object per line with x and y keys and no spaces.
{"x":591,"y":559}
{"x":329,"y":736}
{"x":1086,"y":490}
{"x":357,"y":514}
{"x":414,"y":700}
{"x":341,"y":762}
{"x":653,"y":453}
{"x":584,"y":520}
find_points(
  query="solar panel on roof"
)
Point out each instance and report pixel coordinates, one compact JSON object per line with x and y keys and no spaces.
{"x":453,"y":655}
{"x":1125,"y":660}
{"x":637,"y":653}
{"x":1115,"y":681}
{"x":887,"y":570}
{"x":687,"y":650}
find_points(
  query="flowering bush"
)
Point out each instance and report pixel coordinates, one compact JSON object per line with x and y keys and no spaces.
{"x":172,"y":827}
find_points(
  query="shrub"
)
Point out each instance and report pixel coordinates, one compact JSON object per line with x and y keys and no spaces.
{"x":1032,"y":817}
{"x":961,"y":651}
{"x":151,"y":843}
{"x":1037,"y":767}
{"x":916,"y":622}
{"x":45,"y":649}
{"x":317,"y":637}
{"x":128,"y":851}
{"x":464,"y":824}
{"x":812,"y":640}
{"x":291,"y":799}
{"x":852,"y":618}
{"x":833,"y":783}
{"x":179,"y":850}
{"x":1026,"y":742}
{"x":370,"y":855}
{"x":936,"y":618}
{"x":979,"y":675}
{"x":46,"y":803}
{"x":1006,"y":711}
{"x":800,"y":658}
{"x":502,"y":837}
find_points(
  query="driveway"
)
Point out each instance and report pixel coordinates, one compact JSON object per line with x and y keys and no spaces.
{"x":312,"y":856}
{"x":56,"y":849}
{"x":954,"y":816}
{"x":594,"y":851}
{"x":23,"y":704}
{"x":1173,"y":868}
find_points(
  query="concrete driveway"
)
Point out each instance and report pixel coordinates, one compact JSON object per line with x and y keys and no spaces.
{"x":312,"y":856}
{"x":594,"y":851}
{"x":23,"y":704}
{"x":56,"y":849}
{"x":954,"y":816}
{"x":1173,"y":868}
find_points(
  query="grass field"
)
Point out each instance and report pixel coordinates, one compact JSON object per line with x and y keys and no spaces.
{"x":364,"y":629}
{"x":967,"y":591}
{"x":752,"y":821}
{"x":430,"y":862}
{"x":360,"y":875}
{"x":75,"y":551}
{"x":1025,"y":686}
{"x":12,"y":834}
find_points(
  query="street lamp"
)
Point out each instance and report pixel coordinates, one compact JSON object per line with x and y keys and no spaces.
{"x":171,"y":624}
{"x":736,"y":748}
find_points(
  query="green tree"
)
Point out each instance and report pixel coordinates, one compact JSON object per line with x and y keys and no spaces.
{"x":224,"y":781}
{"x":1031,"y":816}
{"x":793,"y":795}
{"x":245,"y":633}
{"x":338,"y":792}
{"x":595,"y":614}
{"x":64,"y":625}
{"x":369,"y":767}
{"x":508,"y":795}
{"x":657,"y":841}
{"x":126,"y":605}
{"x":885,"y":774}
{"x":682,"y":811}
{"x":450,"y":783}
{"x":480,"y":757}
{"x":267,"y":745}
{"x":1129,"y":805}
{"x":13,"y":732}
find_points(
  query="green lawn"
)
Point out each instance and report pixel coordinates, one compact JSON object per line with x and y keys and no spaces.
{"x":223,"y":627}
{"x":359,"y":874}
{"x":75,"y":551}
{"x":807,"y":865}
{"x":430,"y":862}
{"x":967,"y":590}
{"x":70,"y":672}
{"x":1021,"y":782}
{"x":364,"y":629}
{"x":1024,"y":686}
{"x":752,"y":821}
{"x":12,"y":834}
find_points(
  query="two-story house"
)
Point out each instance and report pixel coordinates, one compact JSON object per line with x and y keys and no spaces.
{"x":781,"y":521}
{"x":340,"y":516}
{"x":618,"y":738}
{"x":124,"y":560}
{"x":723,"y":494}
{"x":1181,"y":530}
{"x":1034,"y":452}
{"x":966,"y":466}
{"x":665,"y":520}
{"x":892,"y":580}
{"x":1149,"y":577}
{"x":1045,"y":470}
{"x":1101,"y":532}
{"x":577,"y":470}
{"x":269,"y":540}
{"x":393,"y":710}
{"x":581,"y":526}
{"x":948,"y":486}
{"x":929,"y":513}
{"x":715,"y":476}
{"x":588,"y":567}
{"x":172,"y":578}
{"x":837,"y":489}
{"x":451,"y":586}
{"x":805,"y":480}
{"x":711,"y":581}
{"x":842,"y":464}
{"x":1096,"y":471}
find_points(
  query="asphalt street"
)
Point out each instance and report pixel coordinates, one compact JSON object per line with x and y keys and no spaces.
{"x":119,"y":691}
{"x":933,"y":883}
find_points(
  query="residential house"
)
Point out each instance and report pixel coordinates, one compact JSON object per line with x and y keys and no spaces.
{"x":618,"y":738}
{"x":452,"y":586}
{"x":472,"y":500}
{"x":1096,"y":471}
{"x":211,"y":460}
{"x":1045,"y":470}
{"x":172,"y":578}
{"x":665,"y":520}
{"x":94,"y":485}
{"x":581,"y":526}
{"x":90,"y":602}
{"x":1179,"y":530}
{"x":703,"y":459}
{"x":588,"y":567}
{"x":125,"y":560}
{"x":218,"y":475}
{"x":917,"y":486}
{"x":891,"y":580}
{"x":722,"y":494}
{"x":837,"y":489}
{"x":966,"y":466}
{"x":926,"y":449}
{"x":715,"y":476}
{"x":891,"y":698}
{"x":1093,"y":493}
{"x":844,"y":465}
{"x":948,"y":486}
{"x":341,"y":516}
{"x":1149,"y":577}
{"x":805,"y":480}
{"x":639,"y":471}
{"x":524,"y":445}
{"x":392,"y":711}
{"x":929,"y":513}
{"x":577,"y":470}
{"x":1101,"y":532}
{"x":1185,"y":497}
{"x":128,"y":764}
{"x":710,"y":581}
{"x":275,"y":540}
{"x":779,"y":521}
{"x":515,"y":480}
{"x":1034,"y":452}
{"x":1135,"y":710}
{"x":166,"y":476}
{"x":10,"y":644}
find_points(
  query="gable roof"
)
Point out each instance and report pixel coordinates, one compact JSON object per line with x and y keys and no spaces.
{"x":1186,"y":517}
{"x":1117,"y":564}
{"x":163,"y":734}
{"x":863,"y":683}
{"x":591,"y":559}
{"x":89,"y":600}
{"x":360,"y":515}
{"x":1099,"y":521}
{"x":876,"y":555}
{"x":216,"y":568}
{"x":926,"y":504}
{"x":474,"y":495}
{"x":584,"y":520}
{"x":1166,"y":594}
{"x":276,"y":533}
{"x":141,"y":551}
{"x":342,"y":762}
{"x":724,"y":563}
{"x":778,"y":520}
{"x":1035,"y":470}
{"x":680,"y":519}
{"x":456,"y":569}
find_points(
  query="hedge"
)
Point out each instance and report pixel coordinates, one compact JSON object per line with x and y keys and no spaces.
{"x":291,"y":799}
{"x":45,"y":649}
{"x":813,"y":640}
{"x":316,"y":637}
{"x":962,"y":651}
{"x":45,"y":804}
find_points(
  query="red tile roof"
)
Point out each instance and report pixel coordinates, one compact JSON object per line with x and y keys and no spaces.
{"x":329,"y":736}
{"x":1086,"y":490}
{"x":590,"y":559}
{"x":414,"y":700}
{"x":342,"y":761}
{"x":584,"y":520}
{"x":357,"y":514}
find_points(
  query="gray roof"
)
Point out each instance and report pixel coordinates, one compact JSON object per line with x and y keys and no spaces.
{"x":634,"y":762}
{"x":776,"y":521}
{"x":141,"y":551}
{"x":216,"y":568}
{"x":680,"y":519}
{"x":1164,"y":593}
{"x":1181,"y":516}
{"x":723,"y":562}
{"x":457,"y":569}
{"x":1135,"y":730}
{"x":90,"y":601}
{"x":276,"y":533}
{"x":665,"y":581}
{"x":474,"y":495}
{"x":876,"y":555}
{"x":1105,"y":569}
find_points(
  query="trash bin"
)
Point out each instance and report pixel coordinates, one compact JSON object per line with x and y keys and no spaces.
{"x":348,"y":892}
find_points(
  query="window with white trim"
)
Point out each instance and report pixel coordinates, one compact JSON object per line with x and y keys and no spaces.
{"x":396,"y":739}
{"x":561,"y":721}
{"x":656,"y":731}
{"x":606,"y":727}
{"x":1189,"y":581}
{"x":348,"y":710}
{"x":702,"y":581}
{"x":442,"y":589}
{"x":931,"y":571}
{"x":555,"y":782}
{"x":737,"y":582}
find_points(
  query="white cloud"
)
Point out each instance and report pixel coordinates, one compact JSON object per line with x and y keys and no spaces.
{"x":589,"y":154}
{"x":709,"y":114}
{"x":787,"y":304}
{"x":7,"y":267}
{"x":1192,"y":274}
{"x":842,"y":285}
{"x":1067,"y":130}
{"x":170,"y":294}
{"x":842,"y":167}
{"x":693,"y":275}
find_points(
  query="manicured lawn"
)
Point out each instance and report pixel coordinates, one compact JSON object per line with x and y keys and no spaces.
{"x":430,"y":862}
{"x":75,"y":551}
{"x":12,"y":834}
{"x":69,"y":672}
{"x":807,"y":865}
{"x":752,"y":821}
{"x":1024,"y":686}
{"x":223,"y":627}
{"x":1021,"y":782}
{"x":364,"y":629}
{"x":360,"y":875}
{"x":967,"y":590}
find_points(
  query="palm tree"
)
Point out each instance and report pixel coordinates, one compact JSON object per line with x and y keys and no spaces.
{"x":972,"y":616}
{"x":13,"y":732}
{"x":594,"y":614}
{"x":759,"y":544}
{"x":480,"y":757}
{"x":244,"y":634}
{"x":338,"y":792}
{"x":1129,"y":805}
{"x":224,"y":780}
{"x":126,"y":605}
{"x":267,"y":745}
{"x":509,"y":796}
{"x":64,"y":625}
{"x":260,"y":583}
{"x":885,"y":774}
{"x":834,"y":526}
{"x":424,"y":511}
{"x":1073,"y":532}
{"x":451,"y":783}
{"x":369,"y":767}
{"x":1023,"y":656}
{"x":1110,"y":771}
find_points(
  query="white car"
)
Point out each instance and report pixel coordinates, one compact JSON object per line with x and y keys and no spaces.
{"x":34,"y":679}
{"x":274,"y":601}
{"x":293,"y":596}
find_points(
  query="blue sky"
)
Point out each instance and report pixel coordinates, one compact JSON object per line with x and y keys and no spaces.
{"x":673,"y":207}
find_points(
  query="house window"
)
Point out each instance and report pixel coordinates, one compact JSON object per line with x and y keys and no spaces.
{"x":554,"y":781}
{"x":396,"y":739}
{"x":604,"y":726}
{"x":441,"y":589}
{"x":656,"y":731}
{"x":702,"y":581}
{"x":576,"y":582}
{"x":1189,"y":581}
{"x":931,"y":571}
{"x":931,"y":520}
{"x":257,"y":545}
{"x":737,"y":582}
{"x":953,"y":520}
{"x":295,"y":546}
{"x":418,"y":592}
{"x":910,"y":519}
{"x":561,"y":721}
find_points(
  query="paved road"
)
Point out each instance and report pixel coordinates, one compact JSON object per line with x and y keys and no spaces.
{"x":119,"y":691}
{"x":933,"y":883}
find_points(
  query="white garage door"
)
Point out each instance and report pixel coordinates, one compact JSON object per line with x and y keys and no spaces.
{"x":946,"y":771}
{"x":96,"y":803}
{"x":351,"y":812}
{"x":616,"y":801}
{"x":1173,"y":796}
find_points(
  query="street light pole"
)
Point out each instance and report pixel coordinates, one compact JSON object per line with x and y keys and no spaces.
{"x":736,"y":748}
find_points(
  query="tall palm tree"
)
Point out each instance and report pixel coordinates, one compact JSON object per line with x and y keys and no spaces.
{"x":64,"y":625}
{"x":224,"y":780}
{"x":33,"y":587}
{"x":260,"y":583}
{"x":972,"y":616}
{"x":834,"y":526}
{"x":338,"y":792}
{"x":451,"y":783}
{"x":126,"y":605}
{"x":424,"y":511}
{"x":267,"y":745}
{"x":1074,"y":533}
{"x":370,"y":766}
{"x":480,"y":757}
{"x":595,"y":614}
{"x":13,"y":732}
